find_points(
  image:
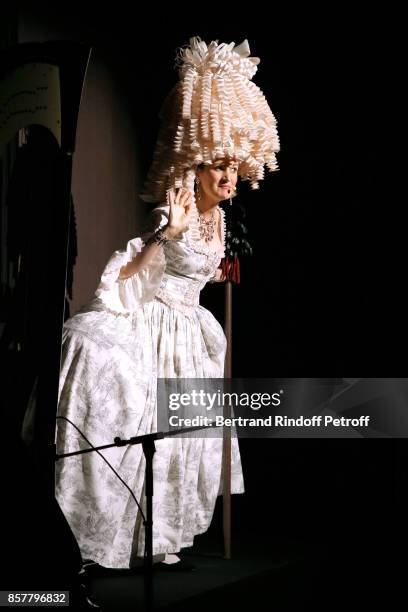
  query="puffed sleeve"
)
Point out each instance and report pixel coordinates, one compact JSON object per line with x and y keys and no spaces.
{"x":126,"y":295}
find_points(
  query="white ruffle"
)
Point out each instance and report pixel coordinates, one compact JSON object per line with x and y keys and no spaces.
{"x":124,"y":296}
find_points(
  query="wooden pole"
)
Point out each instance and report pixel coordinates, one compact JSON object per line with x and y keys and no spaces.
{"x":226,"y":449}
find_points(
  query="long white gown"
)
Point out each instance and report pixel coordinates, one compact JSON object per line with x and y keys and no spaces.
{"x":133,"y":331}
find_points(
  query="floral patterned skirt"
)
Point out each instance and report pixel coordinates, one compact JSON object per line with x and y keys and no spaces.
{"x":109,"y":368}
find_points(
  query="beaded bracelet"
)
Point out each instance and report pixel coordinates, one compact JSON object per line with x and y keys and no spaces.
{"x":159,"y":237}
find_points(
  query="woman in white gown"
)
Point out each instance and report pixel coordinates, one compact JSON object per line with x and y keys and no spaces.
{"x":145,"y":320}
{"x":137,"y":328}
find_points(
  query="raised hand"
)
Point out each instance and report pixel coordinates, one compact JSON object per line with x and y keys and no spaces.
{"x":180,"y":209}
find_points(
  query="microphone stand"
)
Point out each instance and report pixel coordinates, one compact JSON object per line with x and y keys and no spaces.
{"x":147,"y":441}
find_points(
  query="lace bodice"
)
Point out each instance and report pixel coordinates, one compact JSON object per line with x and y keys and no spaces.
{"x":189,"y":266}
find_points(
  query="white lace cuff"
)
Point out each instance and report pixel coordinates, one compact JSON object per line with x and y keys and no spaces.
{"x":126,"y":295}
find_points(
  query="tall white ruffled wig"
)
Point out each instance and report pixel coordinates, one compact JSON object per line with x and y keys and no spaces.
{"x":214,"y":111}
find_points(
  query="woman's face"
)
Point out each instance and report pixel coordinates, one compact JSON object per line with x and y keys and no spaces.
{"x":218,"y":180}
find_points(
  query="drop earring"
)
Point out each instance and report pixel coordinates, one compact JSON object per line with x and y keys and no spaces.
{"x":197,"y":182}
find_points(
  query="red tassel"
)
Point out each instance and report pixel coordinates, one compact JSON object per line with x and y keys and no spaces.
{"x":231,"y":270}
